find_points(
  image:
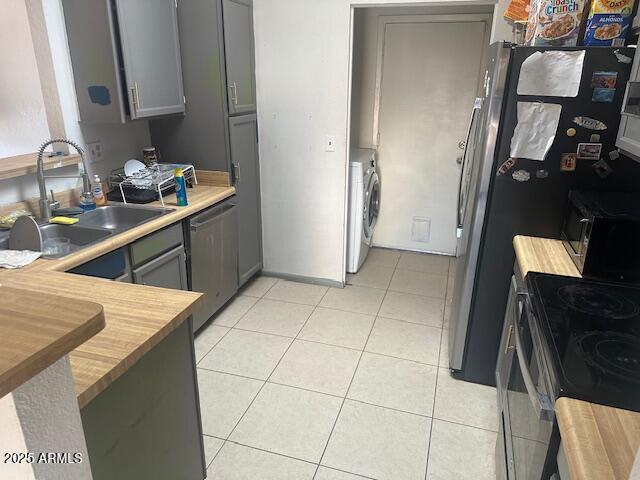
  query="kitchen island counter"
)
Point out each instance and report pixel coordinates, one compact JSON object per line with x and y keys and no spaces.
{"x":137,"y":317}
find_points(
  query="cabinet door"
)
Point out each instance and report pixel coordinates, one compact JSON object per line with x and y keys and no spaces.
{"x":243,"y":133}
{"x":151,"y":56}
{"x":168,"y":271}
{"x":239,"y":55}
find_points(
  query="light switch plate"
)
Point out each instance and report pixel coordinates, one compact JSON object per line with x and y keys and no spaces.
{"x":330,"y":143}
{"x":95,"y":152}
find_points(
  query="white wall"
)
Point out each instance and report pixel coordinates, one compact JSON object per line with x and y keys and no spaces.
{"x":120,"y":142}
{"x":23,"y":118}
{"x":12,"y":440}
{"x":42,"y":415}
{"x":302,"y":69}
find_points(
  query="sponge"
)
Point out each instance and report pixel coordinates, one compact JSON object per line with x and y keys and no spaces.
{"x":63,"y":220}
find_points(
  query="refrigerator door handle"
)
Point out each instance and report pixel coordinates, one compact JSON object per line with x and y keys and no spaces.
{"x":476,"y":107}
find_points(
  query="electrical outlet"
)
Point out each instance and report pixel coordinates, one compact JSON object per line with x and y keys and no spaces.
{"x":330,"y":143}
{"x":95,"y":151}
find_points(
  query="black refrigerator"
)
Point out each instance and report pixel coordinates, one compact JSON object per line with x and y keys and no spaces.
{"x":530,"y":196}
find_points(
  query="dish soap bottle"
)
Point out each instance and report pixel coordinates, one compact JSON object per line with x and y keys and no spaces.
{"x":181,"y":187}
{"x":96,"y":190}
{"x":86,"y":202}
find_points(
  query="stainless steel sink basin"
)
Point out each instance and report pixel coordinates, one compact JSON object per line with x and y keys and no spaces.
{"x":78,"y":236}
{"x":120,"y":217}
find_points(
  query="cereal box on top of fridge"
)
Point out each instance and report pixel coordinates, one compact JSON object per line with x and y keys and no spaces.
{"x":608,"y":23}
{"x":554,"y":23}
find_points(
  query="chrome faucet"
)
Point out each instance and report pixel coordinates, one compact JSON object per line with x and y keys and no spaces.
{"x":45,"y":206}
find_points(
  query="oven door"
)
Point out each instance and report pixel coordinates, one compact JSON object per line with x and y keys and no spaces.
{"x":529,"y":408}
{"x":504,"y":453}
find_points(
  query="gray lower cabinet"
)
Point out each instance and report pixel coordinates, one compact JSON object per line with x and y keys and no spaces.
{"x":239,"y":55}
{"x":146,"y":424}
{"x":126,"y":58}
{"x":243,"y":134}
{"x":169,"y":270}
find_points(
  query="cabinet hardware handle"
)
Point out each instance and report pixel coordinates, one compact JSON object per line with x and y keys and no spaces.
{"x":237,"y":166}
{"x":234,"y":93}
{"x":135,"y":98}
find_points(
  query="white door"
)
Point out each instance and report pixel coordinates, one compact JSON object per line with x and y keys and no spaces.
{"x":430,"y":69}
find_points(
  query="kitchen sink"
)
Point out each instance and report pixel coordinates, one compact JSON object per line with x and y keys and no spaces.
{"x":120,"y":217}
{"x":78,"y":237}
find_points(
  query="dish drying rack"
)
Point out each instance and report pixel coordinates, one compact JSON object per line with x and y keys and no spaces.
{"x":158,"y":178}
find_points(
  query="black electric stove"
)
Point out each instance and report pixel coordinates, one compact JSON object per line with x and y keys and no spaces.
{"x":591,"y":335}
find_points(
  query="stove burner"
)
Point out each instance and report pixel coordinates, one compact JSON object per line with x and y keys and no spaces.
{"x":613,"y":353}
{"x":592,"y":300}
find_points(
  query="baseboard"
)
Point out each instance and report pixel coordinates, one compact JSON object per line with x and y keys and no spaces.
{"x":325,"y":282}
{"x":405,"y":249}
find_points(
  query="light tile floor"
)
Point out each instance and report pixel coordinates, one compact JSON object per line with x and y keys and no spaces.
{"x":307,"y":382}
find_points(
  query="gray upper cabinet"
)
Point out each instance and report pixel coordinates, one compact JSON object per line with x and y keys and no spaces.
{"x":151,"y":56}
{"x":201,"y":134}
{"x":126,"y":58}
{"x":243,"y":133}
{"x":239,"y":55}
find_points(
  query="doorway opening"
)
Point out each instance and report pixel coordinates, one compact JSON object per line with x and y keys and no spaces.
{"x":416,"y":72}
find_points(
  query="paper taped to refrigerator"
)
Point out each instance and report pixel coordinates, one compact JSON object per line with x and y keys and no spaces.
{"x":552,"y":73}
{"x":536,"y":129}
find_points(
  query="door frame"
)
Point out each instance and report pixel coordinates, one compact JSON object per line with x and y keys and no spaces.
{"x":385,"y":20}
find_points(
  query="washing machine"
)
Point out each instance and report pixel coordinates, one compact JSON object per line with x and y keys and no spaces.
{"x":364,"y":205}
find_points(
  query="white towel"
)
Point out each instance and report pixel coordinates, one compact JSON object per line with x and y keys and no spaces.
{"x":17,"y":258}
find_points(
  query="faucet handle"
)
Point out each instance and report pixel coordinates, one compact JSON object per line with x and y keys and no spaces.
{"x":54,"y":205}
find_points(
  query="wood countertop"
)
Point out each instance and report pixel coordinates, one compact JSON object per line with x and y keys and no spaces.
{"x":600,"y":442}
{"x":543,"y":255}
{"x":137,"y":317}
{"x":37,"y":329}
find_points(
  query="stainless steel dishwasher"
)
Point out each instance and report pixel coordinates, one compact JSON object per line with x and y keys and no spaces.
{"x":212,"y":251}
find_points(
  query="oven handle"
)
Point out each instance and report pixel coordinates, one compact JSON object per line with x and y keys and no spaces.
{"x":541,"y":402}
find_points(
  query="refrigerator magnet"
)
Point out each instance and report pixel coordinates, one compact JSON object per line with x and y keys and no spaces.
{"x":568,"y":162}
{"x":604,"y":79}
{"x":571,"y":132}
{"x":614,"y":155}
{"x":595,"y":138}
{"x":542,"y":173}
{"x":506,"y":166}
{"x":621,"y":57}
{"x":603,"y":95}
{"x":589,"y":123}
{"x":602,"y":168}
{"x":521,"y":176}
{"x":589,"y":151}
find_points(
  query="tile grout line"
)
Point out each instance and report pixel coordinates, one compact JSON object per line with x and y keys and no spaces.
{"x":257,"y":393}
{"x":432,"y":416}
{"x":435,"y":388}
{"x":362,"y":351}
{"x":237,"y":321}
{"x":355,"y":371}
{"x":274,"y":369}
